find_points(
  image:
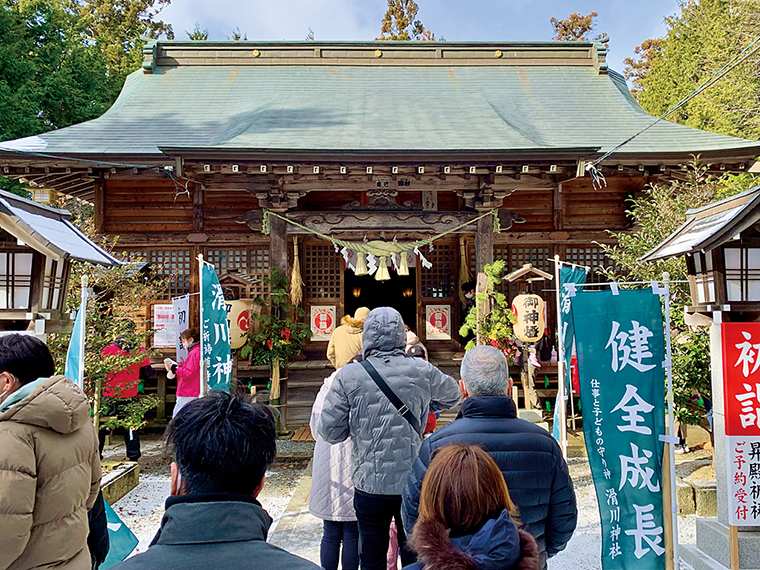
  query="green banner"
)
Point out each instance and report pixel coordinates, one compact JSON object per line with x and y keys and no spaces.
{"x":215,"y":332}
{"x":571,"y":275}
{"x":620,"y":345}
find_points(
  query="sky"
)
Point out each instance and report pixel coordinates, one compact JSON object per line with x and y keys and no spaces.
{"x":628,"y":23}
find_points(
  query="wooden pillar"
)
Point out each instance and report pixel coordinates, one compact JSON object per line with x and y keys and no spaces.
{"x":278,"y":244}
{"x":99,"y":199}
{"x":198,"y":208}
{"x":557,"y":206}
{"x":483,"y":257}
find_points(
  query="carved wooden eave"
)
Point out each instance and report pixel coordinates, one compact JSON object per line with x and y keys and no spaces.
{"x":422,"y":222}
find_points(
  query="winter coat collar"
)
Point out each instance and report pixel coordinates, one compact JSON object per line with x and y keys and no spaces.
{"x":488,"y":407}
{"x":384,"y":333}
{"x":212,"y":518}
{"x":497,"y":545}
{"x":20,"y":394}
{"x":55,"y":403}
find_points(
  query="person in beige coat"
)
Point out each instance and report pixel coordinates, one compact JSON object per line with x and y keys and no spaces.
{"x":49,"y":462}
{"x":346,"y":340}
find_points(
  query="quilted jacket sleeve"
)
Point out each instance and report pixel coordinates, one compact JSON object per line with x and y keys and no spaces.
{"x":563,"y":512}
{"x":444,"y":391}
{"x":95,"y":474}
{"x":333,"y":423}
{"x":18,"y":483}
{"x":411,"y":498}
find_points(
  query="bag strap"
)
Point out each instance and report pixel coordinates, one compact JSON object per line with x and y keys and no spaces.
{"x":405,"y":412}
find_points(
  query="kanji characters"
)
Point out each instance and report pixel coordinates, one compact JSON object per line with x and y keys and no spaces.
{"x":630,"y":347}
{"x":633,"y":469}
{"x":646,"y":531}
{"x":750,"y":403}
{"x":633,"y":410}
{"x":748,"y":355}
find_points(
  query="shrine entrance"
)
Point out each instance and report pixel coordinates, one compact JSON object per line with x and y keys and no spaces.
{"x":399,"y":292}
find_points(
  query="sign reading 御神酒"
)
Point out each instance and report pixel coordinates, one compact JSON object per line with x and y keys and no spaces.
{"x":531,"y":322}
{"x":741,"y":397}
{"x":621,"y":349}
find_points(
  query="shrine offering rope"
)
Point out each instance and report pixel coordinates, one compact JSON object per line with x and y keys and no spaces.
{"x":376,"y":248}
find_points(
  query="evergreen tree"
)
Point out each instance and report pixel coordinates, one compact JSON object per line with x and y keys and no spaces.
{"x":198,"y":34}
{"x":700,"y":40}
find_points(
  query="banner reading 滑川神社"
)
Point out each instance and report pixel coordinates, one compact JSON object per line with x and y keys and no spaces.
{"x":620,"y":346}
{"x":741,"y":398}
{"x":215,"y":333}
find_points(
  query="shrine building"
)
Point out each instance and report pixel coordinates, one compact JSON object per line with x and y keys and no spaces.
{"x":365,"y":141}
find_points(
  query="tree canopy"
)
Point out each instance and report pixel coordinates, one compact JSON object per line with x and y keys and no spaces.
{"x":701,"y":39}
{"x":575,"y":27}
{"x":399,"y":22}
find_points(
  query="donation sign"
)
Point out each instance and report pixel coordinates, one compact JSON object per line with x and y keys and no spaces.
{"x":215,"y":333}
{"x":181,"y":309}
{"x":322,"y":322}
{"x":620,"y":345}
{"x":438,"y":322}
{"x":741,"y":397}
{"x":531,"y":322}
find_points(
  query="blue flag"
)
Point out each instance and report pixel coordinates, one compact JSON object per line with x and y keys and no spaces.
{"x":74,"y":370}
{"x":122,"y":541}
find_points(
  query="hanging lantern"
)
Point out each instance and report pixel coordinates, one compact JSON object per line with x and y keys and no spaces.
{"x":403,"y":268}
{"x":382,"y":271}
{"x":361,"y":265}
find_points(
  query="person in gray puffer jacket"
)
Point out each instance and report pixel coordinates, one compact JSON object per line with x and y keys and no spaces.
{"x":384,"y":443}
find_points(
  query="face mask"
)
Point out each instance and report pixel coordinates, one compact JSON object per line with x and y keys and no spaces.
{"x":469,"y":295}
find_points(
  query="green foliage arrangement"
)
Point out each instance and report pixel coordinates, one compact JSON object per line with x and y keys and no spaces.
{"x":496,"y":327}
{"x":656,"y":214}
{"x":281,"y":333}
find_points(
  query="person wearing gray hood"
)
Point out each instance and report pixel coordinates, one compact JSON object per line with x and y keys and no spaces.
{"x":386,"y":437}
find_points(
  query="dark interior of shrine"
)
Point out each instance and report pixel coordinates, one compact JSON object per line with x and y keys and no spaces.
{"x":399,"y":292}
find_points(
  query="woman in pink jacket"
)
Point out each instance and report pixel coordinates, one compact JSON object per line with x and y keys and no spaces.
{"x":188,"y":372}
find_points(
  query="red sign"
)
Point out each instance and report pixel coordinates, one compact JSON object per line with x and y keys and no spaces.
{"x":741,"y":396}
{"x":741,"y":378}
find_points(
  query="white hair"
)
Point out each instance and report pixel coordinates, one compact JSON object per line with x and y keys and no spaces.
{"x":485,"y":372}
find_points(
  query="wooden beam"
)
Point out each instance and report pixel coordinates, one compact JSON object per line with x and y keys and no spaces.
{"x":100,"y":206}
{"x":198,"y":208}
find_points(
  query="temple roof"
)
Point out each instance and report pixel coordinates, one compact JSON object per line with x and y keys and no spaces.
{"x":213,"y":98}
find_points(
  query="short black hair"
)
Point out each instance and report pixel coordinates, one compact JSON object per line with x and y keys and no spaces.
{"x":222,"y":444}
{"x":469,"y":286}
{"x":26,"y":357}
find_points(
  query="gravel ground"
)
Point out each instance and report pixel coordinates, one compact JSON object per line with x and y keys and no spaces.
{"x":143,"y":507}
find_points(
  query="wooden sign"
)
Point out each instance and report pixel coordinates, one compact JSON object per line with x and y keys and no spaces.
{"x":322,"y":322}
{"x":438,"y":322}
{"x":741,"y":397}
{"x":531,"y":322}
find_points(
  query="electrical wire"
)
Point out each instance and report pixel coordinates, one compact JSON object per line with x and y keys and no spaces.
{"x":717,"y":76}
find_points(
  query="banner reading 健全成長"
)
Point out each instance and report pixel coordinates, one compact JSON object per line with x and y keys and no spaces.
{"x":620,"y":345}
{"x":215,"y":333}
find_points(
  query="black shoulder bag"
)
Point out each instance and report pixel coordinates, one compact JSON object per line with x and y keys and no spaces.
{"x":405,"y":412}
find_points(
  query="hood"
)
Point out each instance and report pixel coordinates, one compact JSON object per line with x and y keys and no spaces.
{"x":56,"y":404}
{"x":412,"y":338}
{"x":352,"y":323}
{"x":497,"y":545}
{"x":384,"y":332}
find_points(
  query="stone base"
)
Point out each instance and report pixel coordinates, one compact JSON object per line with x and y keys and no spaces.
{"x":120,"y":480}
{"x":534,"y":417}
{"x":712,"y":538}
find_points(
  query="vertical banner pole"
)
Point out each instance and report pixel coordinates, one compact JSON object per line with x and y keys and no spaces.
{"x":669,"y":466}
{"x":204,"y":368}
{"x":561,"y":365}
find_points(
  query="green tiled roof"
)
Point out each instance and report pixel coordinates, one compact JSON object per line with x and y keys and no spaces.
{"x":500,"y":108}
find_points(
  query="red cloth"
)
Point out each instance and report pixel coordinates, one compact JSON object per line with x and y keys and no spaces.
{"x":189,"y":374}
{"x":431,"y":423}
{"x":574,"y":377}
{"x":123,"y":384}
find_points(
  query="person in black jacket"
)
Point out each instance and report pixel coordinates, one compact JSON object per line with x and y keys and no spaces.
{"x":529,"y":458}
{"x":222,"y":447}
{"x":98,"y":541}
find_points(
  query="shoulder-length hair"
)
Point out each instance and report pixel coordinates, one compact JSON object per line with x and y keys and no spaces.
{"x":462,"y":489}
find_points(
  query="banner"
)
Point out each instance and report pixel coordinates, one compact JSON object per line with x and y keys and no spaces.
{"x":620,"y":345}
{"x":122,"y":541}
{"x":74,"y":368}
{"x":741,"y":397}
{"x":572,"y":275}
{"x":181,"y":309}
{"x":215,"y":333}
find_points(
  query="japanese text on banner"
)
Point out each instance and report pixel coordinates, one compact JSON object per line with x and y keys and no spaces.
{"x":215,"y":334}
